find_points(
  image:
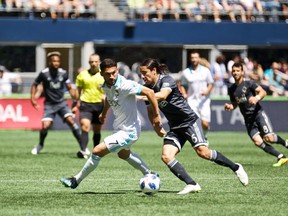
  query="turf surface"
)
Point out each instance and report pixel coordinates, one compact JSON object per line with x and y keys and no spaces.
{"x":29,"y":185}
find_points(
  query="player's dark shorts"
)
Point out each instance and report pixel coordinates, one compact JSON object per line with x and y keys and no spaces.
{"x":261,"y":124}
{"x":91,"y":111}
{"x":193,"y":133}
{"x":50,"y":111}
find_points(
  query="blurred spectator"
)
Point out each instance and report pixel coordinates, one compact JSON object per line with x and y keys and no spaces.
{"x":219,"y":73}
{"x":233,"y":7}
{"x":52,"y":6}
{"x":152,"y":6}
{"x":7,"y":80}
{"x":284,"y":7}
{"x":171,"y":7}
{"x":66,"y":7}
{"x":84,"y":6}
{"x":191,"y":8}
{"x":217,"y":9}
{"x":252,"y":6}
{"x":136,"y":7}
{"x":276,"y":81}
{"x":257,"y":74}
{"x":273,"y":8}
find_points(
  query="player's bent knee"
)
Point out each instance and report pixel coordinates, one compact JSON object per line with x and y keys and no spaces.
{"x":268,"y":139}
{"x":166,"y":158}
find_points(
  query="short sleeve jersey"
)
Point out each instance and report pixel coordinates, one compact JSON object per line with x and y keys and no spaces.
{"x":91,"y":85}
{"x":54,"y":85}
{"x":175,"y":108}
{"x":122,"y":100}
{"x":196,"y":81}
{"x":241,"y":94}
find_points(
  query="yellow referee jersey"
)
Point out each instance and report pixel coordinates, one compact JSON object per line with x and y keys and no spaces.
{"x":91,"y":85}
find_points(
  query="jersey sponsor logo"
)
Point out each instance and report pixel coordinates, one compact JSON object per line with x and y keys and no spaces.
{"x":54,"y":85}
{"x":165,"y":85}
{"x":115,"y":99}
{"x":242,"y":99}
{"x":162,"y":104}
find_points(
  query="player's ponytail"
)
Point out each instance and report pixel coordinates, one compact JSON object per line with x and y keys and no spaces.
{"x":153,"y":63}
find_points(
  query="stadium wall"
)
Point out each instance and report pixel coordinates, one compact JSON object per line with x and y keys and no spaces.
{"x":139,"y":32}
{"x":19,"y":114}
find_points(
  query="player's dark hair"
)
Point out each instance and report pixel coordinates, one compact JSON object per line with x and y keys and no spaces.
{"x":238,"y":64}
{"x":153,"y":63}
{"x":107,"y":63}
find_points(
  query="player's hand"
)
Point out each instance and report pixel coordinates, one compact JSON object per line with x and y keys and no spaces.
{"x":228,"y":107}
{"x":74,"y":109}
{"x":102,"y":118}
{"x":253,"y":100}
{"x":35,"y":105}
{"x":160,"y":130}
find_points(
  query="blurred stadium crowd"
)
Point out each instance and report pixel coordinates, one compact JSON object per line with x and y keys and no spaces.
{"x":273,"y":79}
{"x":155,"y":10}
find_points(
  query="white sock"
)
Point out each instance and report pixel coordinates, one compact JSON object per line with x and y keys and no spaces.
{"x":135,"y":161}
{"x":88,"y":167}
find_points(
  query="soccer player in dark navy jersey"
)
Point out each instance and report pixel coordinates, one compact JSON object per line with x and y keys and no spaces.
{"x":54,"y":80}
{"x":184,"y":125}
{"x":246,"y":95}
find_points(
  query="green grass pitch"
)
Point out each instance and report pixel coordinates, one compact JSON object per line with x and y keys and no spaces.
{"x":29,"y":185}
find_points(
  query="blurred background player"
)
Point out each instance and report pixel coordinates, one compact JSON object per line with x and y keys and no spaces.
{"x":89,"y":83}
{"x":199,"y":83}
{"x":246,"y":95}
{"x":54,"y":80}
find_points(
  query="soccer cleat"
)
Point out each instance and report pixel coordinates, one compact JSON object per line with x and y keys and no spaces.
{"x":36,"y":149}
{"x":153,"y":172}
{"x":190,"y":189}
{"x":82,"y":154}
{"x":69,"y":182}
{"x":242,"y":175}
{"x":280,"y":162}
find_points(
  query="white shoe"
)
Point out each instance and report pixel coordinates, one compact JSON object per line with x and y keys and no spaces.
{"x":242,"y":175}
{"x":190,"y":189}
{"x":87,"y":152}
{"x":36,"y":149}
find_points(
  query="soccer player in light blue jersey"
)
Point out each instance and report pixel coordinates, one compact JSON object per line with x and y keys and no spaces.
{"x":121,"y":98}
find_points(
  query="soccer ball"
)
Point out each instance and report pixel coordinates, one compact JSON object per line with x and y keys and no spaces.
{"x":150,"y":184}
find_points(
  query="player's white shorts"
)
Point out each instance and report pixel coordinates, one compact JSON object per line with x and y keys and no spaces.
{"x":121,"y":140}
{"x":202,"y":108}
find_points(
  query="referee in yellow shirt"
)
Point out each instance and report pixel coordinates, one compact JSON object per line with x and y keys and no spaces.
{"x":89,"y":84}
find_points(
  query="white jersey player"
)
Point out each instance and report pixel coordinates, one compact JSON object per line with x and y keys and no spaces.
{"x":199,"y":84}
{"x":121,"y":97}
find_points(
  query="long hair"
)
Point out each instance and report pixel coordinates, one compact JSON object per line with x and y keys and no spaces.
{"x":153,"y":63}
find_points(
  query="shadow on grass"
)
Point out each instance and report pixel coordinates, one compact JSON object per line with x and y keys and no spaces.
{"x":121,"y":192}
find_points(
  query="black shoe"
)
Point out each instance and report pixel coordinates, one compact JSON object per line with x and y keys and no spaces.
{"x":69,"y":182}
{"x":82,"y":154}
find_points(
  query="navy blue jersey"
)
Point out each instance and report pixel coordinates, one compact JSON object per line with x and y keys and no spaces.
{"x":175,"y":108}
{"x":241,"y":94}
{"x":53,"y":84}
